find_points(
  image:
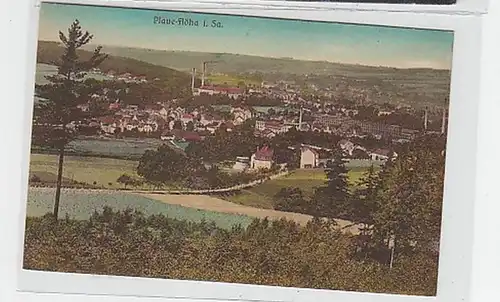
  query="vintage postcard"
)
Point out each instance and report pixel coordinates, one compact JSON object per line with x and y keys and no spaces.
{"x":238,"y":149}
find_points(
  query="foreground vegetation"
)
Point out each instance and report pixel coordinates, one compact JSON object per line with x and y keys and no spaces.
{"x":279,"y":253}
{"x":306,"y":179}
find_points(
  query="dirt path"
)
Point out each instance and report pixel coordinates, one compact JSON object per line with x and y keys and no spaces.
{"x":205,"y":202}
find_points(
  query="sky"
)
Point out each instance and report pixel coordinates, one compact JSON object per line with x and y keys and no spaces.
{"x":303,"y":40}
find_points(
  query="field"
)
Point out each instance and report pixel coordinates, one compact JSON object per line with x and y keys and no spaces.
{"x":261,"y":195}
{"x":80,"y":204}
{"x":103,"y":171}
{"x":230,"y":80}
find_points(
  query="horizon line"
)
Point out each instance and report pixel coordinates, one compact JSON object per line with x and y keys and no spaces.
{"x":257,"y":56}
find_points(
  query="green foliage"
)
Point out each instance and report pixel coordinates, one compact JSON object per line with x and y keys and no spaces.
{"x":166,"y":165}
{"x":365,"y":198}
{"x":333,"y":200}
{"x":126,"y":180}
{"x":56,"y":117}
{"x":65,"y":90}
{"x":411,"y":195}
{"x":290,"y":200}
{"x":279,"y":253}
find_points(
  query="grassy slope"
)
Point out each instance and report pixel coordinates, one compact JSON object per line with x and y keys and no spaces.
{"x":261,"y":196}
{"x":82,"y":169}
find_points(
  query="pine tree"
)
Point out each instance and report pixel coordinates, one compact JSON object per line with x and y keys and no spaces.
{"x":57,"y":113}
{"x":364,"y":201}
{"x":332,"y":200}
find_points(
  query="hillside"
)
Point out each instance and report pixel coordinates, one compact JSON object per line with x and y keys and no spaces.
{"x":177,"y":82}
{"x":414,"y":86}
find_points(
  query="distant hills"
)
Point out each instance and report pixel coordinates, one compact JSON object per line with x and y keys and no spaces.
{"x":50,"y":52}
{"x":418,"y":86}
{"x":236,"y":63}
{"x":414,"y":86}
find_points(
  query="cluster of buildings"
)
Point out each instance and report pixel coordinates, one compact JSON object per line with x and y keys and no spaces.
{"x":126,"y":77}
{"x":342,"y":124}
{"x":313,"y":157}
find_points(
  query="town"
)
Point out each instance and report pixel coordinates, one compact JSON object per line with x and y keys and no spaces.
{"x":178,"y":125}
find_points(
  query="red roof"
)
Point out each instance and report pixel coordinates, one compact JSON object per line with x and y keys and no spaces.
{"x":187,"y":135}
{"x":106,"y":120}
{"x":264,"y":153}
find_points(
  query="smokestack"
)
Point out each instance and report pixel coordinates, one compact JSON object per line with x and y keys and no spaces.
{"x":426,"y":119}
{"x":300,"y":119}
{"x":203,"y":69}
{"x":443,"y":122}
{"x":193,"y":76}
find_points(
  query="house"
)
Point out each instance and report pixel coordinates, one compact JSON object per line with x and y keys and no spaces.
{"x":207,"y":119}
{"x":241,"y":115}
{"x":262,"y":158}
{"x":308,"y":158}
{"x":382,"y":155}
{"x":232,"y":92}
{"x":277,"y":127}
{"x":315,"y":157}
{"x":186,"y":118}
{"x":242,"y":163}
{"x":347,"y":146}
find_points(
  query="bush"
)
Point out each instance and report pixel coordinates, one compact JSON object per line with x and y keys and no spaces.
{"x":280,"y":253}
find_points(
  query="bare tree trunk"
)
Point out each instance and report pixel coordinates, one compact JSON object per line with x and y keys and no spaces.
{"x":59,"y":182}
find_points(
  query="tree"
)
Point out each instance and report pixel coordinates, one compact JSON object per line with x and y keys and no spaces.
{"x":408,"y":215}
{"x":125,"y":179}
{"x":332,"y":200}
{"x":290,"y":200}
{"x":166,"y":165}
{"x":365,"y":198}
{"x":56,"y":115}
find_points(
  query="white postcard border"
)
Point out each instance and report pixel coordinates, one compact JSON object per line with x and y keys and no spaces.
{"x":458,"y":225}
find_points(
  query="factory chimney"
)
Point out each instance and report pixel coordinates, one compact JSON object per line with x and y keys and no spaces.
{"x":203,"y":70}
{"x":426,"y":119}
{"x":300,"y":118}
{"x":193,"y":77}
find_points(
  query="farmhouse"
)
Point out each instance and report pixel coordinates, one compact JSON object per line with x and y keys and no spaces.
{"x":262,"y":158}
{"x":308,"y":158}
{"x":311,"y":157}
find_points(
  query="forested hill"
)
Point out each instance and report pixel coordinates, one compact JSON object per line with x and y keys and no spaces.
{"x":178,"y":81}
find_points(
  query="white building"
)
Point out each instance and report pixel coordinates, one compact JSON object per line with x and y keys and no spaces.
{"x":308,"y":158}
{"x":242,"y":163}
{"x":241,"y":115}
{"x":262,"y":158}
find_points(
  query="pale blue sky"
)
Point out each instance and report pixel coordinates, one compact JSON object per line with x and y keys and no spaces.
{"x":318,"y":41}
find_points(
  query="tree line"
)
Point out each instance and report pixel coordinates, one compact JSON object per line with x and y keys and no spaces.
{"x":280,"y":253}
{"x":400,"y":205}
